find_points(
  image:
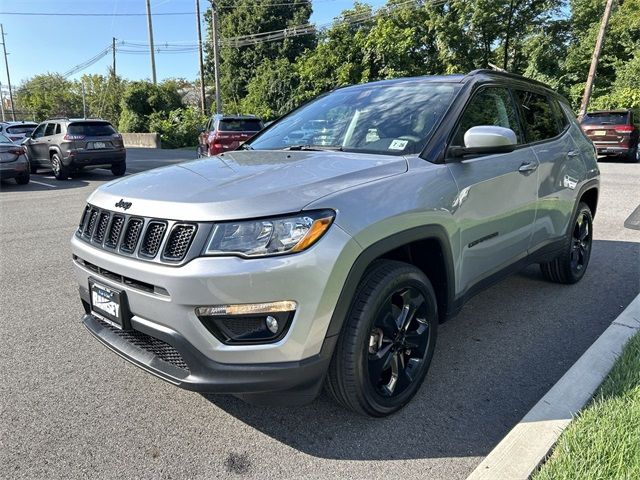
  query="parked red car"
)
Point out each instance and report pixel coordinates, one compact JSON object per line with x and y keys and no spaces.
{"x":226,"y":132}
{"x":613,"y":133}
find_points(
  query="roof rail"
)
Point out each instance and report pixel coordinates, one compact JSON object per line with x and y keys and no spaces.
{"x":515,"y":76}
{"x":58,"y":118}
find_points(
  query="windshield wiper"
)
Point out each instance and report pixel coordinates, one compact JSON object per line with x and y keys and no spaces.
{"x":313,"y":148}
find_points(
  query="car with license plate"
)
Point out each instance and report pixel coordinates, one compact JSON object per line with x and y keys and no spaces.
{"x":13,"y":161}
{"x":67,"y":146}
{"x":224,"y":133}
{"x":614,"y":133}
{"x":281,"y":267}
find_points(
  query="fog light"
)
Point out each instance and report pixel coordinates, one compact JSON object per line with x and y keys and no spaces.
{"x":272,"y":324}
{"x":248,"y":323}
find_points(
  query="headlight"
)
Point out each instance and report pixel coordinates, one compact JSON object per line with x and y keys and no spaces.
{"x":271,"y":236}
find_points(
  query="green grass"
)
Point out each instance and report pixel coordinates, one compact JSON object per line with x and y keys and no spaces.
{"x":603,"y":441}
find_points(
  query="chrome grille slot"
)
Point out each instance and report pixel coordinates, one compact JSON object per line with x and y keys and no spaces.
{"x":101,"y":228}
{"x":179,"y":241}
{"x":131,"y":235}
{"x":152,"y":238}
{"x":117,"y":222}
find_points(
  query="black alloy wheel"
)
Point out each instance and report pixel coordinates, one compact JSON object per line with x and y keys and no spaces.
{"x":387,"y":341}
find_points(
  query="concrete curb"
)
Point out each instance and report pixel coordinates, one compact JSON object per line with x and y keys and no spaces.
{"x":526,"y":446}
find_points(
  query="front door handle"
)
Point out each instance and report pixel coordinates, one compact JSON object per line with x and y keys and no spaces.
{"x":573,"y":153}
{"x":528,"y":167}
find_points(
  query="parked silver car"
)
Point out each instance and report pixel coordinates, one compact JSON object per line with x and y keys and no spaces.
{"x":273,"y":270}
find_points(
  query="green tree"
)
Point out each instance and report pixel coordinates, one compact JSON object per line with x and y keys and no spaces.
{"x":141,"y":99}
{"x":247,"y":17}
{"x":102,"y":94}
{"x":49,"y":95}
{"x":270,"y":93}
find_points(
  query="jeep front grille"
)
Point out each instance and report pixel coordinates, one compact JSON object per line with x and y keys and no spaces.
{"x":151,"y":239}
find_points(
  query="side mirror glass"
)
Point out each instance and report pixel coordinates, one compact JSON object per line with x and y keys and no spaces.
{"x":486,"y":139}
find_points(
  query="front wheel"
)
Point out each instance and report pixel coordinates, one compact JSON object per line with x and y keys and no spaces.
{"x":570,"y":266}
{"x":387,"y":342}
{"x":119,"y":169}
{"x":23,"y":179}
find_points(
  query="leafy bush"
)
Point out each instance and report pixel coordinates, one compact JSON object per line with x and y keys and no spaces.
{"x":143,"y":99}
{"x":179,"y":127}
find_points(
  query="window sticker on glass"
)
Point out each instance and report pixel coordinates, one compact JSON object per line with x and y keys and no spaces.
{"x":398,"y":144}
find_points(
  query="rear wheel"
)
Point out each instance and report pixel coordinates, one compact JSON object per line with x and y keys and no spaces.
{"x":571,"y":264}
{"x":119,"y":169}
{"x":387,"y":342}
{"x":33,"y":167}
{"x":60,"y":171}
{"x":634,"y":155}
{"x":23,"y":179}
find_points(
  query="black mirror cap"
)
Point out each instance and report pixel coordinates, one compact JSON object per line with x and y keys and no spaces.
{"x":461,"y":152}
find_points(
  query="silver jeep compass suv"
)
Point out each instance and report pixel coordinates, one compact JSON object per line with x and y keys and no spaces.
{"x":273,"y":270}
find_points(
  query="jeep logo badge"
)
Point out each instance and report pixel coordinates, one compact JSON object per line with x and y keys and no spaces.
{"x":123,"y":204}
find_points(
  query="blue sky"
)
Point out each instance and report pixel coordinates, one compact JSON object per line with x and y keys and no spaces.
{"x":39,"y":44}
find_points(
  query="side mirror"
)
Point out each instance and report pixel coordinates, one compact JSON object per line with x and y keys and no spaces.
{"x":486,"y":139}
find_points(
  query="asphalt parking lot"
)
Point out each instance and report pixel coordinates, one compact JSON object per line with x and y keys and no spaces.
{"x":69,"y":408}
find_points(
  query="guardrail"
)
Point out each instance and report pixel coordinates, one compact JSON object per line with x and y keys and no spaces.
{"x":147,"y":140}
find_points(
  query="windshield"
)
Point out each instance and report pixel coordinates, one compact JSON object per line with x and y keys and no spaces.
{"x":606,"y":118}
{"x":392,"y":119}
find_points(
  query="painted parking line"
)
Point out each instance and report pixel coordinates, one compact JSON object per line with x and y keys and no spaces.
{"x":45,"y":184}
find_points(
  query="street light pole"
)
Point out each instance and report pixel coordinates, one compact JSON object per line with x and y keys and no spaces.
{"x":216,"y":53}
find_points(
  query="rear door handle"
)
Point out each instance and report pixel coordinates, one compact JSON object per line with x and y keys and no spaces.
{"x":573,"y":153}
{"x":528,"y":167}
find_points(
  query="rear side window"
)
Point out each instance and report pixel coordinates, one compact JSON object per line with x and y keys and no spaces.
{"x":20,"y":129}
{"x":491,"y":106}
{"x":606,"y":118}
{"x":240,"y":125}
{"x":561,"y":117}
{"x":539,"y":119}
{"x":91,"y":129}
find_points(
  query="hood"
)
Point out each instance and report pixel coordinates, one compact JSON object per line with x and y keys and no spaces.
{"x":243,"y":184}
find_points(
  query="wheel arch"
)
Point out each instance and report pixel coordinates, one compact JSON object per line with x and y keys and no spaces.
{"x":590,"y":197}
{"x":426,"y":247}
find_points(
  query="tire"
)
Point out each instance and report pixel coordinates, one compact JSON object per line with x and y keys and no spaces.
{"x":33,"y":168}
{"x":23,"y":179}
{"x":570,"y":266}
{"x":59,"y":170}
{"x":634,"y":155}
{"x":119,"y":169}
{"x":390,"y":330}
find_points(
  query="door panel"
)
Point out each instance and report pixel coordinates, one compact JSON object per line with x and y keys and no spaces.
{"x":495,"y":212}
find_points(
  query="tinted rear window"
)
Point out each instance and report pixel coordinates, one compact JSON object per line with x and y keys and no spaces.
{"x":238,"y":125}
{"x":21,"y":129}
{"x":606,"y":118}
{"x":91,"y":129}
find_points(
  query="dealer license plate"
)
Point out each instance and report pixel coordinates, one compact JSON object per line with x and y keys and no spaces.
{"x":106,"y":302}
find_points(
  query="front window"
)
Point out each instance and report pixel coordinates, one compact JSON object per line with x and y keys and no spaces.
{"x":392,"y":119}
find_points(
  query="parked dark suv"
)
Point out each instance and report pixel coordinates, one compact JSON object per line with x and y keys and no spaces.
{"x":224,"y":133}
{"x":68,"y":145}
{"x":613,"y":133}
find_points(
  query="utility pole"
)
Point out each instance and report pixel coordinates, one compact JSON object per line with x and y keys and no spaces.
{"x":84,"y":102}
{"x":594,"y":60}
{"x":153,"y":57}
{"x":203,"y":100}
{"x":2,"y":101}
{"x":6,"y":63}
{"x":113,"y":51}
{"x":216,"y":53}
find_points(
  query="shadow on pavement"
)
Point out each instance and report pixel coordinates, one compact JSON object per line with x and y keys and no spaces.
{"x":492,"y":363}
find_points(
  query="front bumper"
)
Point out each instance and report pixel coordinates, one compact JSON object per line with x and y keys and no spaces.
{"x":166,"y":354}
